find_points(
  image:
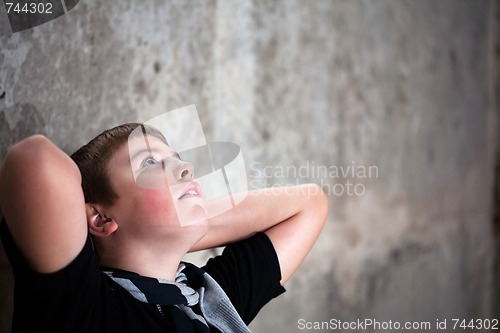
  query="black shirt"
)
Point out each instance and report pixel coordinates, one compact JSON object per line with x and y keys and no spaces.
{"x":80,"y":298}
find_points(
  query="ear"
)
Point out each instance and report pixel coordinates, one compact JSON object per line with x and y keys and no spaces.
{"x":99,"y":224}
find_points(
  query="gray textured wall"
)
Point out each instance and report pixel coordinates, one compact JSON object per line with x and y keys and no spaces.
{"x":404,"y":87}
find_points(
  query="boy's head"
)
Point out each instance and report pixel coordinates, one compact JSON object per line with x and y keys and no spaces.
{"x":93,"y":161}
{"x":133,"y":181}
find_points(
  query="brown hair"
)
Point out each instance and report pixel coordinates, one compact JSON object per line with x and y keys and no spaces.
{"x":93,"y":161}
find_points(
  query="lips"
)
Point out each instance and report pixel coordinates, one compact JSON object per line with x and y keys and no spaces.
{"x":192,"y":190}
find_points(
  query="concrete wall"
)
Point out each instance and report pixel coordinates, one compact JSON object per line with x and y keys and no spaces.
{"x":402,"y":88}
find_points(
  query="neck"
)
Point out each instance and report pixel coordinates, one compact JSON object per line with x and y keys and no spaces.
{"x":158,"y":259}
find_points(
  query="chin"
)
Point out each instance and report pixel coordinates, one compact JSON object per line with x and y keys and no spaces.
{"x":195,"y":216}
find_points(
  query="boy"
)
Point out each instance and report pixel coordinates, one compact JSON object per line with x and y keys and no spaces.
{"x":137,"y":282}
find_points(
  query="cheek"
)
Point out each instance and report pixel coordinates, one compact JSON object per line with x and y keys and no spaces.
{"x":153,"y":178}
{"x":156,"y":206}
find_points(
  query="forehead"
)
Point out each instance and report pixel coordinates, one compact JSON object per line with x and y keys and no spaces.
{"x":136,"y":146}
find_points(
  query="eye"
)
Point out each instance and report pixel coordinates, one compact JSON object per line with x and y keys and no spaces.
{"x":150,"y":160}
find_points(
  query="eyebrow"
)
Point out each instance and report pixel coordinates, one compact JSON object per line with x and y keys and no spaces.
{"x":150,"y":151}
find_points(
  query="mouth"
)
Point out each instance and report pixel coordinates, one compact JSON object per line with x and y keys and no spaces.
{"x":192,"y":190}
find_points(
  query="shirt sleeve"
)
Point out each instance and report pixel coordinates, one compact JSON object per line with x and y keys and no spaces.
{"x":249,"y":272}
{"x":52,"y":302}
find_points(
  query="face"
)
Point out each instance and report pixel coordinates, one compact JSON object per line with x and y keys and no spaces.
{"x":155,"y":187}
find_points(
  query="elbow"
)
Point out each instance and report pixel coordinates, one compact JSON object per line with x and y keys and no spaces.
{"x":323,"y":204}
{"x":27,"y":154}
{"x":26,"y":148}
{"x":36,"y":155}
{"x":22,"y":153}
{"x":19,"y":164}
{"x":318,"y":203}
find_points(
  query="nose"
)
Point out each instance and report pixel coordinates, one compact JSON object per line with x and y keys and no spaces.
{"x":184,"y":170}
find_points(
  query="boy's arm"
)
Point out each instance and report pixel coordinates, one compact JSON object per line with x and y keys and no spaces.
{"x":42,"y":201}
{"x":292,"y":217}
